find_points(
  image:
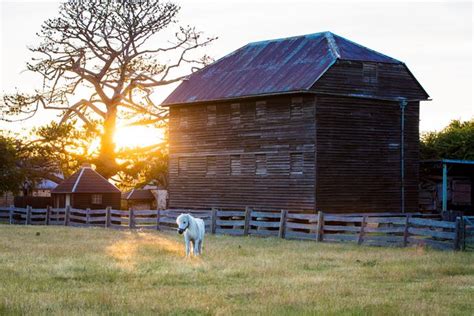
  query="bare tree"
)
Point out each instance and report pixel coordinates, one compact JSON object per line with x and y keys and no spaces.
{"x":99,"y":60}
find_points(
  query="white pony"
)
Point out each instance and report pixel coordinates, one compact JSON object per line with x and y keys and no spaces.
{"x":193,"y":229}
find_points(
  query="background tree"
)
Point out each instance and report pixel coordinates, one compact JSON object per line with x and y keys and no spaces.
{"x":61,"y":148}
{"x":11,"y":176}
{"x":456,"y":141}
{"x":100,"y":60}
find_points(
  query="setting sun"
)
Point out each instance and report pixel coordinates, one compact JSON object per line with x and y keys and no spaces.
{"x":137,"y":136}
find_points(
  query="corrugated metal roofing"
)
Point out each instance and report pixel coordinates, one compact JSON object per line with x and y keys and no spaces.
{"x":138,"y":194}
{"x":271,"y":67}
{"x":86,"y":180}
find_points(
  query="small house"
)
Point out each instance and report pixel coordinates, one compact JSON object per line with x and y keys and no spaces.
{"x":139,"y":199}
{"x":86,"y":189}
{"x":306,"y":123}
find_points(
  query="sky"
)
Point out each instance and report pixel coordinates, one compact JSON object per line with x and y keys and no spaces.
{"x":434,"y":39}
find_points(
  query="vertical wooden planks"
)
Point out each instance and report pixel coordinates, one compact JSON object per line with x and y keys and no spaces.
{"x":281,"y":230}
{"x":131,"y":223}
{"x":48,"y":215}
{"x":88,"y":216}
{"x":158,"y":215}
{"x":10,"y":214}
{"x":406,"y":233}
{"x":457,"y":240}
{"x":66,"y":215}
{"x":213,"y":220}
{"x":108,"y":212}
{"x":361,"y":232}
{"x":248,"y":214}
{"x":28,"y":215}
{"x":320,"y":227}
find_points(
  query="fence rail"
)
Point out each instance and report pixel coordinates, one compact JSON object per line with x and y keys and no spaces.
{"x":380,"y":229}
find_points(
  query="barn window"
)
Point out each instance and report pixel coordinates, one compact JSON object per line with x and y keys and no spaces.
{"x":183,"y":118}
{"x":211,"y":115}
{"x":235,"y":113}
{"x":182,"y":166}
{"x":211,"y":165}
{"x":261,"y":164}
{"x":369,"y":72}
{"x":235,"y":164}
{"x":96,"y":199}
{"x":296,"y":108}
{"x":296,"y":163}
{"x":248,"y":110}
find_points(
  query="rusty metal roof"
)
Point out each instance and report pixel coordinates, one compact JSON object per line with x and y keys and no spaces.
{"x":138,"y":194}
{"x":86,"y":180}
{"x":277,"y":66}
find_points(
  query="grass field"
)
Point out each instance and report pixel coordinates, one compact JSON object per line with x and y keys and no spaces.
{"x":97,"y":271}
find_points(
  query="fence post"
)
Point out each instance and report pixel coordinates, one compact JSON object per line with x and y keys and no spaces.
{"x":10,"y":214}
{"x":281,"y":229}
{"x":88,"y":216}
{"x":464,"y":232}
{"x":361,"y":232}
{"x":158,"y":214}
{"x":248,"y":212}
{"x":213,"y":220}
{"x":457,"y":240}
{"x":320,"y":227}
{"x":130,"y":218}
{"x":48,"y":215}
{"x":405,"y":232}
{"x":66,"y":215}
{"x":28,"y":215}
{"x":108,"y":211}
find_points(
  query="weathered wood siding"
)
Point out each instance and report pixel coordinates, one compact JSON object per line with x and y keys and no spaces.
{"x":84,"y":200}
{"x":373,"y":80}
{"x":358,"y":156}
{"x":257,"y":153}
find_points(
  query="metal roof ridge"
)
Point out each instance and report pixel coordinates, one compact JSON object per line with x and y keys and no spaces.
{"x":333,"y":48}
{"x":77,"y":180}
{"x":280,"y":39}
{"x":365,"y":47}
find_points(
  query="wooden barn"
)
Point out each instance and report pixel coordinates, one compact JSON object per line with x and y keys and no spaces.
{"x":313,"y":122}
{"x":86,"y":189}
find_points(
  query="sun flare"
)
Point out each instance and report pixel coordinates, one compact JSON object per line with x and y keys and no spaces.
{"x":137,"y":136}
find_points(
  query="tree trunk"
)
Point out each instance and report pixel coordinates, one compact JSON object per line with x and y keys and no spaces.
{"x":106,"y":164}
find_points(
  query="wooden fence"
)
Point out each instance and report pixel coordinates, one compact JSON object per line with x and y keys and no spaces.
{"x":468,"y":238}
{"x":379,"y":229}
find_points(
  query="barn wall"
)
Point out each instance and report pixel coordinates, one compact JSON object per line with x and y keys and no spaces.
{"x":370,"y":79}
{"x":84,"y":200}
{"x":358,"y":156}
{"x":256,"y":153}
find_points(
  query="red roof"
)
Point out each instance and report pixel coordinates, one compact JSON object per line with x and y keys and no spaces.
{"x":86,"y":180}
{"x":138,"y":194}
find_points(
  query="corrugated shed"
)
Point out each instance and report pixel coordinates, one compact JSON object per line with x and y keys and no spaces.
{"x":272,"y":67}
{"x":86,"y":180}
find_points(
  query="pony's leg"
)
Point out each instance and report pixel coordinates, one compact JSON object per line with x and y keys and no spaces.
{"x":200,"y":246}
{"x":196,"y":248}
{"x":186,"y":241}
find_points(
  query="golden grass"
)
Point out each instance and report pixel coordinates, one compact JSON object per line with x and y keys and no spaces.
{"x":98,"y":271}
